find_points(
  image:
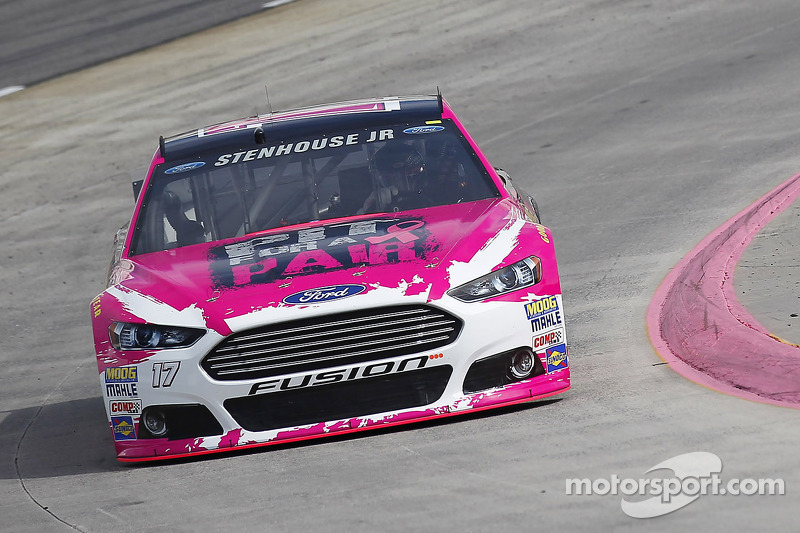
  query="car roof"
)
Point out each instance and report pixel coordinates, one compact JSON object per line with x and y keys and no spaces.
{"x":340,"y":115}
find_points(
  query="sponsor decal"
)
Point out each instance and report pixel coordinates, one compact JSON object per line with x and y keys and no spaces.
{"x":121,"y":381}
{"x":324,"y":294}
{"x":125,"y":407}
{"x":328,"y":377}
{"x":542,"y":233}
{"x":546,"y":321}
{"x":121,"y":374}
{"x":184,"y":168}
{"x":96,"y":311}
{"x":548,"y":339}
{"x":322,"y":249}
{"x":540,"y":307}
{"x":123,"y":428}
{"x":557,"y":358}
{"x":121,"y":390}
{"x":419,"y":130}
{"x":313,"y":144}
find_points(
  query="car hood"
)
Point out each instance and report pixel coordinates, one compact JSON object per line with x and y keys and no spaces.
{"x":335,"y":264}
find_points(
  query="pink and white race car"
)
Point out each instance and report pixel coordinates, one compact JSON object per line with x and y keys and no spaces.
{"x":322,"y":271}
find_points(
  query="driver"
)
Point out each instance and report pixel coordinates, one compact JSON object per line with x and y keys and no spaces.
{"x":444,"y":184}
{"x":401,"y":169}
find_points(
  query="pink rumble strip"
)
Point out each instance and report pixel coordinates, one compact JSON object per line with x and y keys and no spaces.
{"x":699,"y":327}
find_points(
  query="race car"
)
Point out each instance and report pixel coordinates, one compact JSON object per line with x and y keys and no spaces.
{"x":321,"y":271}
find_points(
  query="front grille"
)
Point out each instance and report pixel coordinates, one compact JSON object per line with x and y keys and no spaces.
{"x":331,"y":341}
{"x":406,"y":390}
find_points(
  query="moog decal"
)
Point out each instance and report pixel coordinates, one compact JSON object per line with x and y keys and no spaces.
{"x":541,"y":307}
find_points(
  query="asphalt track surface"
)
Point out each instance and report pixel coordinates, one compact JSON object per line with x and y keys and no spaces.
{"x":41,"y":39}
{"x":640,"y":128}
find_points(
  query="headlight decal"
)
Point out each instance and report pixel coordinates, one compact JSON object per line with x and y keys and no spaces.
{"x":510,"y":278}
{"x":131,"y":336}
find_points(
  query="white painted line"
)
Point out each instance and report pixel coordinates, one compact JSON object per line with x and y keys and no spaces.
{"x":10,"y":90}
{"x":275,"y":3}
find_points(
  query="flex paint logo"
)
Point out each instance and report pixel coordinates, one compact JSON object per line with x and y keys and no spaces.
{"x":322,"y":249}
{"x":695,"y":474}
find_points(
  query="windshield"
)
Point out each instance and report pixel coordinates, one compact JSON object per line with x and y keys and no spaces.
{"x":230,"y":193}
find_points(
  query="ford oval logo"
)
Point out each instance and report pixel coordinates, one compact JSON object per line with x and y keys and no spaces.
{"x":417,"y":130}
{"x":324,"y":294}
{"x":184,"y":168}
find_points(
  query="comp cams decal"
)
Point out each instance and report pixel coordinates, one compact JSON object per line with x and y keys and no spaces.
{"x":323,"y":249}
{"x":548,"y":339}
{"x":125,"y":407}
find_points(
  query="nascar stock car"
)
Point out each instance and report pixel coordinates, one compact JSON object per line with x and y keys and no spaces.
{"x":320,"y":271}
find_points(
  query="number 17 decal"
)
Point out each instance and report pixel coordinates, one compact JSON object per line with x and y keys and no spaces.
{"x":164,"y":373}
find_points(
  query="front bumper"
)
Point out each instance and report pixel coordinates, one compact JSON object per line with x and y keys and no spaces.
{"x":206,"y":415}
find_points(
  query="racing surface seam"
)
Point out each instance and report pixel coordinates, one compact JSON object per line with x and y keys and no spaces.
{"x":712,"y":338}
{"x":449,"y":468}
{"x":19,"y":445}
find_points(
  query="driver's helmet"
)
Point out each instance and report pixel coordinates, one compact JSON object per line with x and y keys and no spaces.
{"x":400,"y":166}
